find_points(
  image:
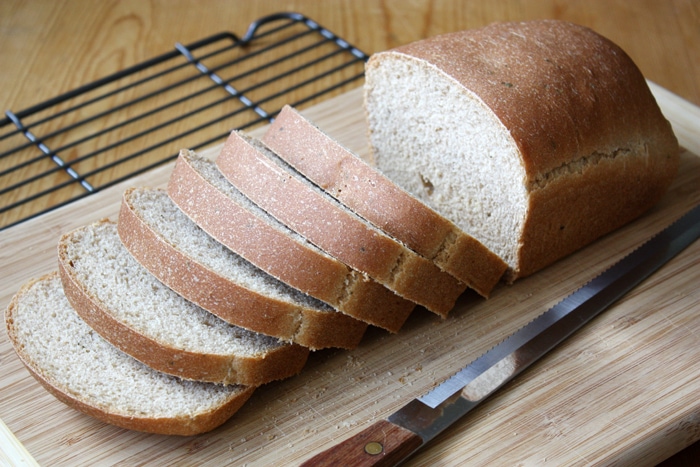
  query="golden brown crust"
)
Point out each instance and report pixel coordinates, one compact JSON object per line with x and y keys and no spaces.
{"x":183,"y":426}
{"x":614,"y":195}
{"x":297,"y":265}
{"x":566,"y":95}
{"x":227,"y":300}
{"x":283,"y":362}
{"x":180,"y":426}
{"x":379,"y":200}
{"x":334,"y":229}
{"x":576,"y":87}
{"x":232,"y":225}
{"x":231,"y":302}
{"x":468,"y":258}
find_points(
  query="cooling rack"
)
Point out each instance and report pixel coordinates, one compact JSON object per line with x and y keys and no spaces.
{"x":104,"y":132}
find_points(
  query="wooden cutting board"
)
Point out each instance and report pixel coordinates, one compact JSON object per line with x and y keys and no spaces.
{"x":623,"y":390}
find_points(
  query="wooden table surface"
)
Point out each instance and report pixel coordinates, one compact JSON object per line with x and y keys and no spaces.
{"x":52,"y":46}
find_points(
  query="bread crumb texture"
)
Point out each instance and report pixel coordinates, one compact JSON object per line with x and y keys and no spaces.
{"x":486,"y":126}
{"x":162,"y":215}
{"x":135,"y":297}
{"x":58,"y":345}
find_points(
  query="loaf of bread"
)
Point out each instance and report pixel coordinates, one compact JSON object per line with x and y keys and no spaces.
{"x":186,"y":259}
{"x":204,"y":194}
{"x":84,"y":371}
{"x":534,"y":137}
{"x":275,"y":187}
{"x":135,"y":312}
{"x":503,"y":148}
{"x":362,"y":188}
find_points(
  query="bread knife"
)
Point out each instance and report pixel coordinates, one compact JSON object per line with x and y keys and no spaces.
{"x":392,"y":440}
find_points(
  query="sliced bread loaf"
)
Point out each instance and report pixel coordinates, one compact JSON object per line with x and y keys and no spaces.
{"x":373,"y":196}
{"x":185,"y":258}
{"x":535,"y":137}
{"x":274,"y":186}
{"x":202,"y":192}
{"x":130,"y":308}
{"x":87,"y":373}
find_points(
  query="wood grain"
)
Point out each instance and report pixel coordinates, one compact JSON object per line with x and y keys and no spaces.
{"x":622,"y":390}
{"x":635,"y":365}
{"x":12,"y":452}
{"x":51,"y":46}
{"x":381,"y":444}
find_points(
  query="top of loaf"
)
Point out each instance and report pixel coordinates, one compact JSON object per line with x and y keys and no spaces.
{"x":532,"y":74}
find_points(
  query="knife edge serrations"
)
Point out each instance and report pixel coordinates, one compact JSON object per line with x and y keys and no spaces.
{"x":597,"y":294}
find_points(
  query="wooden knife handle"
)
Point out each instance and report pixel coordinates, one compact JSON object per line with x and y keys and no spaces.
{"x":382,"y":444}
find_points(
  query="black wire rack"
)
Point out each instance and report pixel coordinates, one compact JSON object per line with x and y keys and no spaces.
{"x":127,"y":123}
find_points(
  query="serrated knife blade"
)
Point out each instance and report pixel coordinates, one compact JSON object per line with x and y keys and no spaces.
{"x":393,"y":440}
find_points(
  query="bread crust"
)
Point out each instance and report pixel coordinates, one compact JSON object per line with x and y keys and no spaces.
{"x":184,"y":425}
{"x":294,"y":263}
{"x":232,"y":302}
{"x":373,"y":196}
{"x":567,"y":96}
{"x":254,"y":370}
{"x":336,"y":230}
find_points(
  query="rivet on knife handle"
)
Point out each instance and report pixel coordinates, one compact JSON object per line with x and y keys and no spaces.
{"x":391,"y":441}
{"x":382,"y":444}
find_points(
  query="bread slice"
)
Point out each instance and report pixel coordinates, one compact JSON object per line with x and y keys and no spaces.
{"x":185,"y":258}
{"x":130,"y":308}
{"x":202,"y":192}
{"x":535,"y":137}
{"x":87,"y":373}
{"x":374,"y":197}
{"x":274,"y":186}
